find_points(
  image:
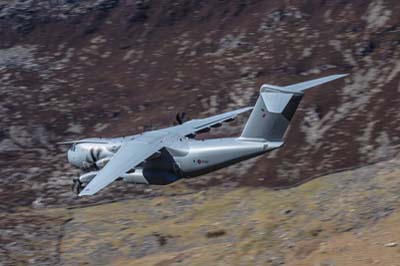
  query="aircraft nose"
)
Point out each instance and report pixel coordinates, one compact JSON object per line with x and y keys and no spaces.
{"x":72,"y":156}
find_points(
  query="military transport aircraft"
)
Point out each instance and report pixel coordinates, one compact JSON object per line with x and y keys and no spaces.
{"x":165,"y":155}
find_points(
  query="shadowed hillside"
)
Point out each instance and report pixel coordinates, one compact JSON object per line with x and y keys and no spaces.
{"x":106,"y":68}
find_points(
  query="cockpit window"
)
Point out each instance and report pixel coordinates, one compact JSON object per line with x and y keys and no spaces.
{"x":73,"y":147}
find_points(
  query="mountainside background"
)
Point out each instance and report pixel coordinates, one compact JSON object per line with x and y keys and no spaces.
{"x":73,"y":69}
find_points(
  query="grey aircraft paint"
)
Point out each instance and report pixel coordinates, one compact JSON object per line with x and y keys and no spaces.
{"x":166,"y":155}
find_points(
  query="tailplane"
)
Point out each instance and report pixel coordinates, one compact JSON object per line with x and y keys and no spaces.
{"x":275,"y":108}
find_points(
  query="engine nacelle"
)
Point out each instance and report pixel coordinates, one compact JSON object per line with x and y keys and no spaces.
{"x":80,"y":182}
{"x":87,"y":177}
{"x":139,"y":176}
{"x":102,"y":162}
{"x":91,"y":155}
{"x":151,"y":177}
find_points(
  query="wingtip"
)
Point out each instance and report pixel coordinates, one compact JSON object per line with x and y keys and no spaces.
{"x":330,"y":78}
{"x":85,"y":192}
{"x":338,"y":76}
{"x":63,"y":143}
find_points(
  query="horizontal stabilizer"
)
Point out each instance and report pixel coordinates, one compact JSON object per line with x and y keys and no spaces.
{"x":299,"y":88}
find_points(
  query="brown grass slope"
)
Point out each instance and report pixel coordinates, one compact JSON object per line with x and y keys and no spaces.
{"x":348,"y":218}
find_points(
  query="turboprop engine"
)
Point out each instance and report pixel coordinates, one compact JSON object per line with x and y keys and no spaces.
{"x":136,"y":176}
{"x":91,"y":155}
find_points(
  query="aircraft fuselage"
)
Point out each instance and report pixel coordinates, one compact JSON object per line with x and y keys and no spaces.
{"x":190,"y":158}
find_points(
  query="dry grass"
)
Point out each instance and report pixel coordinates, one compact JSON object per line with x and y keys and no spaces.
{"x":333,"y":219}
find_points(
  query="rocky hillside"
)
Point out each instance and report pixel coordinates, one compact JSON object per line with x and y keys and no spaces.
{"x":71,"y":69}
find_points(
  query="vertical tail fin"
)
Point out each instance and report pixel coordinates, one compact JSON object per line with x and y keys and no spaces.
{"x":275,"y":108}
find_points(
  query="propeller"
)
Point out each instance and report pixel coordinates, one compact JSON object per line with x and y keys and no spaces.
{"x":77,"y":185}
{"x":181,"y":118}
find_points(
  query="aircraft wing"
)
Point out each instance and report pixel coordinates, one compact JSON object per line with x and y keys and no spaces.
{"x":82,"y":141}
{"x":136,"y":150}
{"x":196,"y":125}
{"x":130,"y":154}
